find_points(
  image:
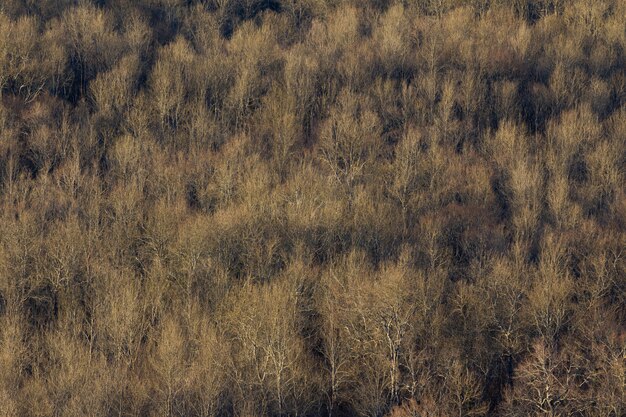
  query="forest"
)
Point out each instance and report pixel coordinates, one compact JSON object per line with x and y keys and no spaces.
{"x":312,"y":208}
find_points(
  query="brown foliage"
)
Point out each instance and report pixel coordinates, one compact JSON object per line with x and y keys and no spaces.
{"x":312,"y":208}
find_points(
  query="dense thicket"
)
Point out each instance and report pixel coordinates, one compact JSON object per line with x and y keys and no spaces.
{"x":313,"y":208}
